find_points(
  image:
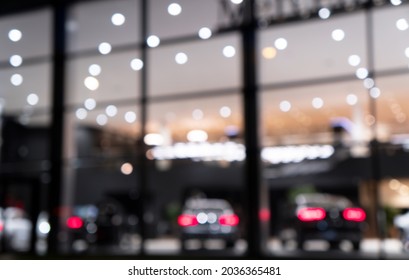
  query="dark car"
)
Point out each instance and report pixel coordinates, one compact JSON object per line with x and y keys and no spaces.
{"x":205,"y":218}
{"x":81,"y":228}
{"x":333,"y":218}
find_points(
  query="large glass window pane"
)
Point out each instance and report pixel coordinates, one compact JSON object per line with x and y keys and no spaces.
{"x":196,"y":154}
{"x":316,"y":142}
{"x":102,"y":130}
{"x":25,"y":101}
{"x":317,"y":126}
{"x":393,"y":137}
{"x":194,"y":130}
{"x":391,"y":62}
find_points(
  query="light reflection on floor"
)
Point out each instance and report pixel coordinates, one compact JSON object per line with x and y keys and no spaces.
{"x":370,"y":246}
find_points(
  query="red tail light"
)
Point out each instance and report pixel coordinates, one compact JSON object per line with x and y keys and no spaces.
{"x":1,"y":227}
{"x":311,"y":214}
{"x":74,"y":222}
{"x":354,"y":214}
{"x":229,"y":220}
{"x":185,"y":220}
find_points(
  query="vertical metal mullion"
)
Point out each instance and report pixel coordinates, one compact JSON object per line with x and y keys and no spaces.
{"x":144,"y":11}
{"x":58,"y":91}
{"x":375,"y":151}
{"x":251,"y":130}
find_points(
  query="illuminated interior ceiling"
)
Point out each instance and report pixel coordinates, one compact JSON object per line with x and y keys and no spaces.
{"x":312,"y":52}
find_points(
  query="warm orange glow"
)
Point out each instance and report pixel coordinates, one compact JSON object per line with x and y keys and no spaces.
{"x":269,"y":52}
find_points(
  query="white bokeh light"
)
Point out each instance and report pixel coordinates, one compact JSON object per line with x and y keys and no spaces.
{"x":81,"y":113}
{"x":285,"y":106}
{"x":91,"y":83}
{"x":402,"y":24}
{"x":324,"y":13}
{"x":111,"y":110}
{"x":197,"y":114}
{"x":375,"y":92}
{"x":369,"y":83}
{"x":44,"y":227}
{"x":118,"y":19}
{"x":352,"y":99}
{"x":201,"y":218}
{"x":15,"y":35}
{"x":407,"y":52}
{"x":205,"y":33}
{"x":225,"y":112}
{"x":154,"y":139}
{"x":16,"y":79}
{"x":281,"y":44}
{"x":32,"y":99}
{"x":16,"y":60}
{"x":362,"y":73}
{"x":396,"y":2}
{"x":229,"y":51}
{"x":104,"y":48}
{"x":317,"y":103}
{"x":197,"y":135}
{"x":181,"y":58}
{"x":90,"y":104}
{"x":174,"y":9}
{"x":153,"y":41}
{"x":102,"y":119}
{"x":338,"y":35}
{"x":354,"y":60}
{"x":94,"y":69}
{"x":130,"y":117}
{"x":136,"y":64}
{"x":237,"y":2}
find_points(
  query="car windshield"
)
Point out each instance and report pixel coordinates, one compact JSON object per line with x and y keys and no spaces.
{"x":207,"y":204}
{"x":322,"y":200}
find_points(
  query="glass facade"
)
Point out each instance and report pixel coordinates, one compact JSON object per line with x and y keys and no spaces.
{"x":158,"y":153}
{"x":25,"y":106}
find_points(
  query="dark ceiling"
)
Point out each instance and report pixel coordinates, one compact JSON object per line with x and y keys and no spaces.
{"x":13,"y":6}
